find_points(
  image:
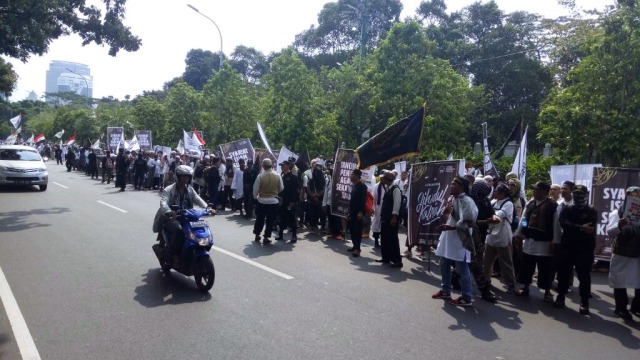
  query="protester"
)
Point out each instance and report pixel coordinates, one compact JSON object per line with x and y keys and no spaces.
{"x":288,"y":202}
{"x":237,"y":187}
{"x":122,"y":166}
{"x":554,"y":192}
{"x":576,"y":247}
{"x":460,"y":215}
{"x":140,"y":170}
{"x":624,"y":272}
{"x":335,"y":222}
{"x":265,"y":190}
{"x":213,"y":178}
{"x":357,"y":204}
{"x":248,"y":179}
{"x":536,"y":231}
{"x":479,"y":192}
{"x":227,"y":194}
{"x":499,"y":238}
{"x":389,"y":222}
{"x":378,"y":194}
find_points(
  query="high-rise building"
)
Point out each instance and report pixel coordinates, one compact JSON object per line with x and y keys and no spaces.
{"x":66,"y":76}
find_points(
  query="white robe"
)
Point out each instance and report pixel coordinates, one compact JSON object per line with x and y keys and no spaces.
{"x":377,"y":207}
{"x":237,"y":184}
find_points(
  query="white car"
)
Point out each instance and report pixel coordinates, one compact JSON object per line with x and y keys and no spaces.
{"x":22,"y":165}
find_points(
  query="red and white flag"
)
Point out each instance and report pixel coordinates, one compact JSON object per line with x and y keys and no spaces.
{"x":39,"y":138}
{"x":71,"y":140}
{"x":198,"y":137}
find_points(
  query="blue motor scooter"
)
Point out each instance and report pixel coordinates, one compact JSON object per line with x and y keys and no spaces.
{"x":194,"y":258}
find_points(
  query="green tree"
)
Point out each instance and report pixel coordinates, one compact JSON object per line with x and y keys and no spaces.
{"x":250,"y":63}
{"x":28,"y":27}
{"x":8,"y":78}
{"x":201,"y":65}
{"x":289,"y":103}
{"x":182,"y":109}
{"x":595,"y":116}
{"x":149,"y":114}
{"x":230,"y":112}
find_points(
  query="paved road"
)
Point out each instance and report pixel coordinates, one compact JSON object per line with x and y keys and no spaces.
{"x":89,"y":287}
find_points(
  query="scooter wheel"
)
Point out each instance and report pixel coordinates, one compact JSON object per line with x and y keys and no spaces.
{"x":164,"y":265}
{"x":205,"y":274}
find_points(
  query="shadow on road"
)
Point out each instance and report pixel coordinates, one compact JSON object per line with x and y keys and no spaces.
{"x":14,"y":221}
{"x":167,"y":289}
{"x":478,"y":323}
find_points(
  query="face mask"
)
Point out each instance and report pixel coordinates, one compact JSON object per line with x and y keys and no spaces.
{"x":580,"y":200}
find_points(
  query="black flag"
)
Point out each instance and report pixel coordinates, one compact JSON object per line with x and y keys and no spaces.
{"x":394,"y":142}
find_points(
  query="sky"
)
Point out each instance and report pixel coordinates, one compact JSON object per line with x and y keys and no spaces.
{"x":169,"y":29}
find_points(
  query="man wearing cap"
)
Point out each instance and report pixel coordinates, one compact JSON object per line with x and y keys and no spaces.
{"x":389,"y":221}
{"x":357,"y":205}
{"x":578,"y":222}
{"x":289,"y":200}
{"x":536,"y":232}
{"x":265,"y":189}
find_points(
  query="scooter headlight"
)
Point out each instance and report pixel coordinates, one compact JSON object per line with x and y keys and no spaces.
{"x":203,"y":242}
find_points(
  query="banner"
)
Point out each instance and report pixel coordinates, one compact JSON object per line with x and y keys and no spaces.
{"x":96,"y":145}
{"x":145,"y":139}
{"x":396,"y":141}
{"x":263,"y":136}
{"x":489,"y":169}
{"x":114,"y":137}
{"x":341,"y":186}
{"x":428,"y":195}
{"x":580,"y":174}
{"x":608,"y":194}
{"x":132,"y":145}
{"x":59,"y":134}
{"x":239,"y":149}
{"x":520,"y":162}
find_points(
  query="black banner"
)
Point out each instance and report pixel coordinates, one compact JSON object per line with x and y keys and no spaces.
{"x":396,"y":141}
{"x":239,"y":149}
{"x":428,"y":194}
{"x":114,"y":137}
{"x":341,"y":187}
{"x":145,"y":139}
{"x":607,"y":194}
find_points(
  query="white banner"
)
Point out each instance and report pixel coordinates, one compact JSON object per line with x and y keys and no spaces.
{"x":580,"y":174}
{"x":264,"y":139}
{"x":520,"y":163}
{"x":283,"y":155}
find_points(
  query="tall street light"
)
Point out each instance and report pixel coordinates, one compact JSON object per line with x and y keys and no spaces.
{"x":217,"y":28}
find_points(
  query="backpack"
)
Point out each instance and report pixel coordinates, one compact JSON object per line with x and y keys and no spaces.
{"x":109,"y":163}
{"x":515,"y":221}
{"x":368,"y":205}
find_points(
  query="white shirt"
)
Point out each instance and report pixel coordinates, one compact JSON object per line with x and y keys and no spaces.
{"x":539,"y":248}
{"x":500,"y":234}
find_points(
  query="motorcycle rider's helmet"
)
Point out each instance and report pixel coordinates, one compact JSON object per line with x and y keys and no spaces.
{"x":184,"y":170}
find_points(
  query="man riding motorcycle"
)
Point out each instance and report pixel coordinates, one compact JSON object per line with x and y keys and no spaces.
{"x":184,"y":196}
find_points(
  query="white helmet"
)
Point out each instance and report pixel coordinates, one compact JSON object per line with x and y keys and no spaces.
{"x":184,"y":170}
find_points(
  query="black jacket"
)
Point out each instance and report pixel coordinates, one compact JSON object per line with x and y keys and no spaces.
{"x":571,"y":219}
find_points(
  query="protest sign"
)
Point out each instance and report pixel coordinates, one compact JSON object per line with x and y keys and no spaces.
{"x":114,"y":137}
{"x":145,"y":139}
{"x":239,"y":149}
{"x":341,"y":186}
{"x":580,"y":174}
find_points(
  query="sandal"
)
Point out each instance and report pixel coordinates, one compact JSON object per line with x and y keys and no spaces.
{"x":522,"y":292}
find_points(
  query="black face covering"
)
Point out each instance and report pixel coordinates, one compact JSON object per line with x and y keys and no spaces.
{"x":580,"y":199}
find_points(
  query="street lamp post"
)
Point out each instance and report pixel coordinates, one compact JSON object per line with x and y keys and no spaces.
{"x":86,"y":84}
{"x":217,"y":28}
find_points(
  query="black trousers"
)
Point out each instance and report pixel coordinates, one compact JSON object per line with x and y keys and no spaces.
{"x":265,"y":215}
{"x":622,"y":299}
{"x":355,"y":230}
{"x":389,"y":242}
{"x":247,"y":199}
{"x":581,"y":259}
{"x":138,"y":180}
{"x":287,"y":218}
{"x":226,"y":197}
{"x":335,"y":222}
{"x":528,"y":267}
{"x":176,"y":234}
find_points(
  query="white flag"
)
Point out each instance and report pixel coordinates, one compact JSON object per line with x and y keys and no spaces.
{"x":180,"y":147}
{"x":450,"y":157}
{"x":520,"y":163}
{"x":30,"y":140}
{"x":133,"y":145}
{"x":489,"y":169}
{"x":283,"y":155}
{"x":59,"y":134}
{"x":264,"y":139}
{"x":11,"y":139}
{"x":96,"y":145}
{"x":189,"y":142}
{"x":15,"y":121}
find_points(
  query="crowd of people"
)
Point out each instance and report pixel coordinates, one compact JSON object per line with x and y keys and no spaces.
{"x":489,"y":228}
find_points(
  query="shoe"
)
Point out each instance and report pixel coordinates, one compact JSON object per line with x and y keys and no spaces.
{"x":338,"y":237}
{"x":351,"y":249}
{"x":377,"y":246}
{"x":460,"y":302}
{"x":365,"y":235}
{"x":584,"y":309}
{"x":511,"y":289}
{"x":396,"y":265}
{"x":266,"y":240}
{"x":382,"y":261}
{"x":635,"y":310}
{"x":121,"y":190}
{"x":488,"y":296}
{"x":559,"y":303}
{"x":441,"y":295}
{"x":280,"y":236}
{"x":293,"y":241}
{"x":548,"y":298}
{"x":355,"y":253}
{"x":524,"y":292}
{"x":257,"y":238}
{"x":624,"y":314}
{"x":408,"y":254}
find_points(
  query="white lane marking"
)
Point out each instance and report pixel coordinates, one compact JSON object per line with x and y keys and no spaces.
{"x":20,"y":330}
{"x":62,"y":186}
{"x":251,"y":262}
{"x":111,"y":206}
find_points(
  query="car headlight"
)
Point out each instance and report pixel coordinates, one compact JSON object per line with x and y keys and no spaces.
{"x":42,"y":169}
{"x":2,"y":168}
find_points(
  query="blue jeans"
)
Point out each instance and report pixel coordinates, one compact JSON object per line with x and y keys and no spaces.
{"x":462,"y":268}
